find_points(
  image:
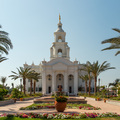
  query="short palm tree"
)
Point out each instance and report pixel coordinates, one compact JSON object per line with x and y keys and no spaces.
{"x":36,"y":79}
{"x":23,"y":73}
{"x":115,"y":42}
{"x":86,"y":68}
{"x":3,"y":80}
{"x":33,"y":76}
{"x":85,"y":78}
{"x":97,"y":68}
{"x":5,"y":42}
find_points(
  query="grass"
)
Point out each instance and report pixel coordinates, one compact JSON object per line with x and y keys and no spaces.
{"x":16,"y":118}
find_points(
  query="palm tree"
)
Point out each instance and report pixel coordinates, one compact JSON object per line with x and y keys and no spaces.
{"x":96,"y":69}
{"x":85,"y":78}
{"x":22,"y":73}
{"x":31,"y":77}
{"x":86,"y":67}
{"x":115,"y":83}
{"x":115,"y":42}
{"x":36,"y":79}
{"x":3,"y":80}
{"x":5,"y":42}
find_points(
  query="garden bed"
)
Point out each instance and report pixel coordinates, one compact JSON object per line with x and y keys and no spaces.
{"x":51,"y":106}
{"x":34,"y":116}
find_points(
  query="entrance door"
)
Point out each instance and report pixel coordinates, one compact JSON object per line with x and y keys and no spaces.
{"x":70,"y":89}
{"x":49,"y":89}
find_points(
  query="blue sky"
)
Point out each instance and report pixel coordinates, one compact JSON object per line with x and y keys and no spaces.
{"x":31,"y":24}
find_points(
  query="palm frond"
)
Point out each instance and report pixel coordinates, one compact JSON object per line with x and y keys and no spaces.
{"x":116,"y":29}
{"x":2,"y":59}
{"x":118,"y":52}
{"x":112,"y":40}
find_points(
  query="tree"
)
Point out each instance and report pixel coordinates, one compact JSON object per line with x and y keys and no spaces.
{"x":5,"y":42}
{"x":22,"y":73}
{"x":115,"y":42}
{"x":3,"y":80}
{"x":85,"y":78}
{"x":97,"y":68}
{"x":115,"y":83}
{"x":36,"y":77}
{"x":86,"y":67}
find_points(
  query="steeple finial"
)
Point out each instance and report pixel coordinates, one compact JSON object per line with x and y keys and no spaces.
{"x":59,"y":18}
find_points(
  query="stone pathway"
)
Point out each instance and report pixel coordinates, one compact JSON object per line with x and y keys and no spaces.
{"x":14,"y":108}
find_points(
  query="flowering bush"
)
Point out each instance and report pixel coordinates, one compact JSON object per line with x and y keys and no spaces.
{"x":61,"y":99}
{"x":61,"y":115}
{"x":89,"y":108}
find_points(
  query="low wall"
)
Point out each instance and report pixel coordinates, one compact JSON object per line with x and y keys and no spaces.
{"x":114,"y":102}
{"x":6,"y":102}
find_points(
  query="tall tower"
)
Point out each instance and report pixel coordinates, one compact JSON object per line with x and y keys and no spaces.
{"x":59,"y":47}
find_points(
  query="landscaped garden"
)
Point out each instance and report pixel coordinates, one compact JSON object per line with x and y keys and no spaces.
{"x":52,"y":105}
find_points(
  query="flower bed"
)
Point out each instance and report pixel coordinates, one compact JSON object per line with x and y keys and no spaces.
{"x":61,"y":115}
{"x":51,"y":106}
{"x":89,"y":108}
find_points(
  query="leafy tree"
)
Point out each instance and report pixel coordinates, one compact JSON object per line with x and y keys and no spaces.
{"x":97,"y":68}
{"x":23,"y":73}
{"x":3,"y":80}
{"x":115,"y":42}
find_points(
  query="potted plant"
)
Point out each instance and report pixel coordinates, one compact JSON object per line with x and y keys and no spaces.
{"x":60,"y":103}
{"x":104,"y":100}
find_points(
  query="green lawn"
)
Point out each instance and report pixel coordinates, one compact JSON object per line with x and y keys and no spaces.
{"x":15,"y":118}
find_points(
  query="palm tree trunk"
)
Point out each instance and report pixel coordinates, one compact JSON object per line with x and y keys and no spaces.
{"x":86,"y":86}
{"x":95,"y":82}
{"x":34,"y":86}
{"x":31,"y":87}
{"x":89,"y":84}
{"x":24,"y":83}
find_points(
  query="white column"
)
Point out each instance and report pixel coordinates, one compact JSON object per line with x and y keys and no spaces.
{"x":65,"y":82}
{"x":43,"y":82}
{"x":53,"y":82}
{"x":75,"y":82}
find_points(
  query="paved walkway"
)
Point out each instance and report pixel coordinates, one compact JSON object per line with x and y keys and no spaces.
{"x":14,"y":108}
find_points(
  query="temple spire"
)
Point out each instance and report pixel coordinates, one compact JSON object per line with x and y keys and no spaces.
{"x":59,"y":18}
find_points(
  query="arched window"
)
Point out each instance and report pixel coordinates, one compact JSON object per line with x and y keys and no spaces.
{"x":49,"y":77}
{"x":70,"y":77}
{"x":59,"y":52}
{"x":59,"y":39}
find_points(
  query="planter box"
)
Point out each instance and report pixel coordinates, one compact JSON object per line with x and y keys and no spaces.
{"x":6,"y":102}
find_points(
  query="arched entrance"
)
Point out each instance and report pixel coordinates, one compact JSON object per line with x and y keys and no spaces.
{"x":71,"y":84}
{"x":49,"y":84}
{"x":59,"y":81}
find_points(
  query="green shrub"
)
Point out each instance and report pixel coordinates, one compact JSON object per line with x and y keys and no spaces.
{"x":16,"y":93}
{"x":3,"y":92}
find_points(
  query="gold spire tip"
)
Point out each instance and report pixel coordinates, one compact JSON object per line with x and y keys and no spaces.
{"x":59,"y":18}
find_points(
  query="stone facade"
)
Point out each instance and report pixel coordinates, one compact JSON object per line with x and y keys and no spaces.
{"x":59,"y":70}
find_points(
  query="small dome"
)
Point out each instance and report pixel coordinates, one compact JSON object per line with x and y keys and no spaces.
{"x":59,"y":27}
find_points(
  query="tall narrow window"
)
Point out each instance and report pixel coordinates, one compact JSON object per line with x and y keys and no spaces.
{"x":59,"y":52}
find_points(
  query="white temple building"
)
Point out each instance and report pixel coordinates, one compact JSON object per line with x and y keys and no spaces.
{"x":59,"y":70}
